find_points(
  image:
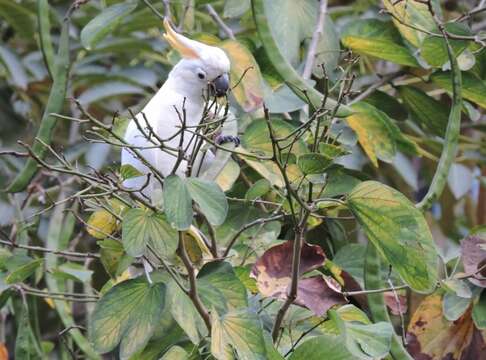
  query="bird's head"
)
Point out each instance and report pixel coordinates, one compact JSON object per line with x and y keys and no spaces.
{"x":202,"y":66}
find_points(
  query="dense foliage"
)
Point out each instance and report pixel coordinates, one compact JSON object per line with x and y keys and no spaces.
{"x":349,"y":223}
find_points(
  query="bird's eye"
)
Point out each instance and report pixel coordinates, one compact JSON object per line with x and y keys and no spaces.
{"x":201,"y":76}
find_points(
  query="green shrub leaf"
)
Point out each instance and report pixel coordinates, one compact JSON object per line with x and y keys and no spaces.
{"x":127,"y":315}
{"x":399,"y":232}
{"x":210,"y":198}
{"x":97,"y":29}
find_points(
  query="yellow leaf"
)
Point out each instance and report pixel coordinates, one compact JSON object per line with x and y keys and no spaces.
{"x":3,"y":352}
{"x":246,"y":79}
{"x":101,"y":224}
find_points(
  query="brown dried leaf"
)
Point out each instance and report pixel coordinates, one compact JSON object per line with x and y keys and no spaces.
{"x":431,"y":337}
{"x":474,"y":258}
{"x":273,"y":269}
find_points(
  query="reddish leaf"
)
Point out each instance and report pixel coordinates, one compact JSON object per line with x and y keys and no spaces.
{"x":316,"y":294}
{"x":273,"y":275}
{"x":474,"y":258}
{"x":431,"y":337}
{"x":396,"y":306}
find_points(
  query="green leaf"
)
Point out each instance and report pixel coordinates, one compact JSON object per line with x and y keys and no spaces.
{"x":375,"y":132}
{"x":454,"y":306}
{"x":290,"y":23}
{"x":45,"y":39}
{"x":54,"y":104}
{"x":322,"y":347}
{"x":364,"y":340}
{"x":220,"y":288}
{"x":411,"y":12}
{"x":399,"y":232}
{"x":210,"y":198}
{"x":73,"y":271}
{"x":23,"y":272}
{"x":113,"y":257}
{"x":425,"y":110}
{"x":235,"y":8}
{"x":258,"y":189}
{"x":19,"y":17}
{"x":128,"y":171}
{"x":479,"y":312}
{"x":434,"y":49}
{"x":104,"y":23}
{"x":378,"y":39}
{"x":388,"y":104}
{"x":473,"y":88}
{"x":332,"y":151}
{"x":144,"y":227}
{"x":184,"y":313}
{"x":313,"y":163}
{"x":127,"y":315}
{"x":177,"y":203}
{"x":241,"y":330}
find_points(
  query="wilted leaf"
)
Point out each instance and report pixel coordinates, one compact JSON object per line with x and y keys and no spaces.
{"x":399,"y":232}
{"x":425,"y":110}
{"x":177,"y":203}
{"x":431,"y":336}
{"x":246,"y":79}
{"x":127,"y":315}
{"x":474,"y":258}
{"x":473,"y":88}
{"x":272,"y":272}
{"x":374,"y":131}
{"x":210,"y":198}
{"x":142,"y":227}
{"x":105,"y":23}
{"x":240,"y":329}
{"x":379,"y":39}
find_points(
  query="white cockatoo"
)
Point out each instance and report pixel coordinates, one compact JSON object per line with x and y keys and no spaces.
{"x":202,"y":69}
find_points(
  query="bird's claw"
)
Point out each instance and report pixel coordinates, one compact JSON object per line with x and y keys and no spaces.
{"x":223,"y":139}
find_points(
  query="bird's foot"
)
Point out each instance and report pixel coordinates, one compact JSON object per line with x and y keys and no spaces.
{"x":223,"y":139}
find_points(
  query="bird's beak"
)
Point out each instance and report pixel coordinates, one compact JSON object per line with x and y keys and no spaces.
{"x":220,"y":85}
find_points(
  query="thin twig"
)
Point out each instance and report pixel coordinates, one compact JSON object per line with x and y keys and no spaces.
{"x":220,"y":22}
{"x":311,"y":53}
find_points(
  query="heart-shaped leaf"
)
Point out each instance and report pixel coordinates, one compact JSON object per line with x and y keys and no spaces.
{"x":127,"y":316}
{"x":177,"y":203}
{"x":210,"y":198}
